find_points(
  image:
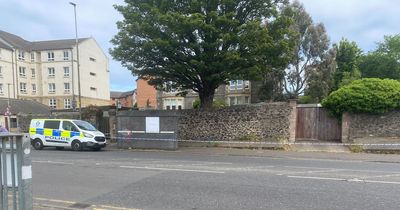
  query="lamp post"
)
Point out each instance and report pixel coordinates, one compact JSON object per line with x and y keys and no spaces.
{"x":77,"y":61}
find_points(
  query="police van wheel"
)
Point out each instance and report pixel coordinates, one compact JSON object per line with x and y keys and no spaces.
{"x":76,"y":146}
{"x":37,"y":144}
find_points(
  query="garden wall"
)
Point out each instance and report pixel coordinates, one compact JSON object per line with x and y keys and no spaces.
{"x":256,"y":122}
{"x":371,"y":128}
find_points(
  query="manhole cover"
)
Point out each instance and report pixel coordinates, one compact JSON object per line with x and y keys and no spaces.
{"x":80,"y":205}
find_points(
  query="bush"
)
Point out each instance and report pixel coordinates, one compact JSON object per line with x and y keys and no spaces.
{"x":370,"y":95}
{"x":305,"y":100}
{"x":217,"y":104}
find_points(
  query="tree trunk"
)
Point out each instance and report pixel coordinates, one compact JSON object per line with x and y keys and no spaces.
{"x":206,"y":99}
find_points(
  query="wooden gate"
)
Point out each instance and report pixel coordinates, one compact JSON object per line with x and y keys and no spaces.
{"x":314,"y":123}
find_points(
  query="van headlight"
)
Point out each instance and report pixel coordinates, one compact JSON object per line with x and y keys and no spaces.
{"x":87,"y":135}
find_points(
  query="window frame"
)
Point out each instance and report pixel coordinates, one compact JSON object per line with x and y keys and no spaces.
{"x":53,"y":103}
{"x":52,"y":87}
{"x":22,"y":87}
{"x":51,"y":72}
{"x":50,"y":56}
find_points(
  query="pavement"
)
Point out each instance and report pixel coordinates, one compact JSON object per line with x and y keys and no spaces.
{"x":214,"y":178}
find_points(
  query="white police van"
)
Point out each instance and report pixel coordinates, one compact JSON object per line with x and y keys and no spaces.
{"x":60,"y":133}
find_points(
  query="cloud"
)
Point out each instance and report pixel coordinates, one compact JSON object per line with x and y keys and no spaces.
{"x":48,"y":19}
{"x":365,"y":22}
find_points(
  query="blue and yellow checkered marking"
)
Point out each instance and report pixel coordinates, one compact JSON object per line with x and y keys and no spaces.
{"x":54,"y":132}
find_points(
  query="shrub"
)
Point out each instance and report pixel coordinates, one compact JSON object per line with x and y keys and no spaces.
{"x":218,"y":103}
{"x":369,"y":95}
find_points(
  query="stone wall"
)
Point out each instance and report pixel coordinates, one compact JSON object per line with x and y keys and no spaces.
{"x":256,"y":122}
{"x":371,"y":128}
{"x":24,"y":120}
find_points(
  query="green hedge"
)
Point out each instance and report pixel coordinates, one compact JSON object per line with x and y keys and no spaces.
{"x":369,"y":95}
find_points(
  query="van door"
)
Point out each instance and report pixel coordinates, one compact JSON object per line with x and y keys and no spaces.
{"x":68,"y":131}
{"x":52,"y":133}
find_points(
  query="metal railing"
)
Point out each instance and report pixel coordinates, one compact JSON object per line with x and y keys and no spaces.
{"x":16,"y":172}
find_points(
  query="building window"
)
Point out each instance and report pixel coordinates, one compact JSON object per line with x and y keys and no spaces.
{"x":52,"y":103}
{"x":22,"y":87}
{"x":22,"y":71}
{"x":66,"y":88}
{"x":247,"y":99}
{"x":67,"y":103}
{"x":66,"y":71}
{"x":92,"y":74}
{"x":66,"y":55}
{"x":50,"y":56}
{"x":1,"y":89}
{"x":21,"y":55}
{"x":92,"y":59}
{"x":32,"y":57}
{"x":239,"y":84}
{"x":232,"y":85}
{"x":33,"y":73}
{"x":52,"y":72}
{"x":173,"y":104}
{"x":93,"y":88}
{"x":33,"y":88}
{"x":247,"y":84}
{"x":232,"y":101}
{"x":52,"y":87}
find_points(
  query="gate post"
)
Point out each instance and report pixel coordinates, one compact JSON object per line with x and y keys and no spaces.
{"x":292,"y":120}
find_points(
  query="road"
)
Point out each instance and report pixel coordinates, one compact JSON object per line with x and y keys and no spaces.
{"x":184,"y":179}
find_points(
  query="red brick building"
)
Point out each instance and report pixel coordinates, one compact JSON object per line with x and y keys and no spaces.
{"x":146,"y":95}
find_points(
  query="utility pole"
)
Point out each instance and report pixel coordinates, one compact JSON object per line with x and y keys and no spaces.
{"x":77,"y":61}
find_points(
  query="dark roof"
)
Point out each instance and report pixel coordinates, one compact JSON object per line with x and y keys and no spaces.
{"x":20,"y":43}
{"x":15,"y":40}
{"x":23,"y":106}
{"x":118,"y":94}
{"x":55,"y":44}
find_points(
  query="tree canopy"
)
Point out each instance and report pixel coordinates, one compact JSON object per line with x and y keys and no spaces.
{"x":199,"y":45}
{"x":310,"y":51}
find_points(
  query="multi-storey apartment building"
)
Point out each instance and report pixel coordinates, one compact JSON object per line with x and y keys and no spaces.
{"x":47,"y":71}
{"x":236,"y":93}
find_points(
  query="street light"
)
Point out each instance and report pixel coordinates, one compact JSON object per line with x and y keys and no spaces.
{"x":77,"y":61}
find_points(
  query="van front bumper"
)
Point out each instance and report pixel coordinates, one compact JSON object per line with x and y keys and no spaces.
{"x":93,"y":145}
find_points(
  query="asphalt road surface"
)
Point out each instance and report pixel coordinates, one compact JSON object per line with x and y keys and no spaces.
{"x":185,"y":179}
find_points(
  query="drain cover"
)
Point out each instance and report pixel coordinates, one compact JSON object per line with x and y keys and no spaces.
{"x":80,"y":205}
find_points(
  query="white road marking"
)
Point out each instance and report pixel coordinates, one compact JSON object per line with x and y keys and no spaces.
{"x":343,"y":169}
{"x":172,"y":169}
{"x":52,"y":162}
{"x":380,"y":176}
{"x":310,"y":172}
{"x":340,"y":179}
{"x":318,"y":178}
{"x":64,"y":202}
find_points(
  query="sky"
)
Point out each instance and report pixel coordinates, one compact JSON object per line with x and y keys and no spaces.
{"x":362,"y":21}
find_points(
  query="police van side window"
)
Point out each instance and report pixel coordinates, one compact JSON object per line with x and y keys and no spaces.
{"x":68,"y":126}
{"x":51,"y":124}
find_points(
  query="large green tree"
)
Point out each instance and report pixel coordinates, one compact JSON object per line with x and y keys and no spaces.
{"x":347,"y":56}
{"x":311,"y":47}
{"x":200,"y":44}
{"x":384,"y":62}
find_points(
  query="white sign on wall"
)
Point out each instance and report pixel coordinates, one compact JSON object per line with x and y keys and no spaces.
{"x":152,"y":125}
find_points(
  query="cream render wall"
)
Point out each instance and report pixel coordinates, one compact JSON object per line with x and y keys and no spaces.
{"x":88,"y":48}
{"x":6,"y":74}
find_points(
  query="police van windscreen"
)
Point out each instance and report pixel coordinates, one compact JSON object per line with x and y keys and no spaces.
{"x":84,"y":125}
